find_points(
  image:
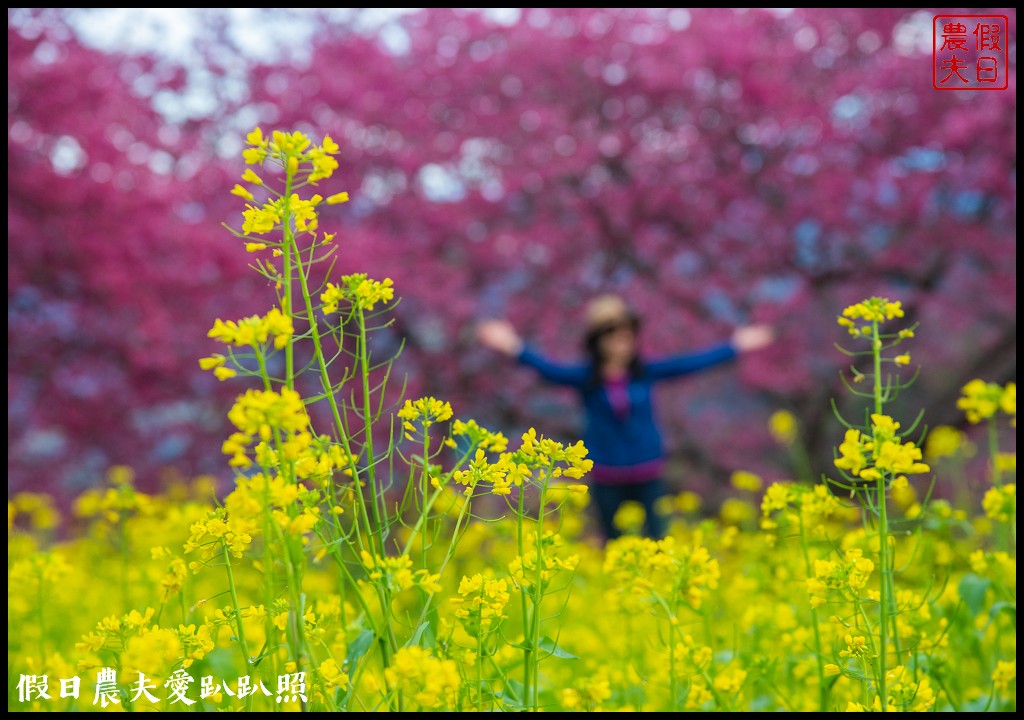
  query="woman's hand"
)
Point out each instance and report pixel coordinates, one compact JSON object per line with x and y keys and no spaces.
{"x":501,"y":336}
{"x":752,"y":337}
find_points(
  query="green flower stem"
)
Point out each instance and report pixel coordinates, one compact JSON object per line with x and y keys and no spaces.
{"x":122,"y":535}
{"x":869,"y":633}
{"x":949,"y":696}
{"x":1003,"y":534}
{"x":673,"y":688}
{"x":374,"y":530}
{"x":421,"y":520}
{"x":271,"y":531}
{"x":673,"y":682}
{"x":239,"y":628}
{"x":292,"y":575}
{"x":447,"y":558}
{"x":325,"y":382}
{"x":993,"y":451}
{"x":340,"y":562}
{"x":41,"y":617}
{"x":424,"y":484}
{"x":479,"y":675}
{"x":527,"y":649}
{"x":385,"y":632}
{"x":883,"y":531}
{"x":268,"y":557}
{"x":299,"y":643}
{"x":719,"y":698}
{"x":371,"y":473}
{"x":883,"y":592}
{"x":801,"y":461}
{"x":822,"y":688}
{"x":268,"y":572}
{"x":538,"y":595}
{"x":289,"y":241}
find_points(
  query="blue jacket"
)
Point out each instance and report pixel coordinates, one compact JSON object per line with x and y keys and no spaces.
{"x":633,"y":439}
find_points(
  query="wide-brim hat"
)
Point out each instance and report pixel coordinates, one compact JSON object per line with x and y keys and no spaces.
{"x":608,"y":311}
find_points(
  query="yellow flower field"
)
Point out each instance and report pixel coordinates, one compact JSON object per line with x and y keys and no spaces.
{"x":406,"y":559}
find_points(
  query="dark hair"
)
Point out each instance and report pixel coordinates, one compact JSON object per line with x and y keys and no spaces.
{"x":592,"y":347}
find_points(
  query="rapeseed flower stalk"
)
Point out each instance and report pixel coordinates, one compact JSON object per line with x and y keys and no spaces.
{"x":480,"y":608}
{"x":873,"y":460}
{"x":986,"y":401}
{"x":665,"y":579}
{"x":537,"y":462}
{"x":275,"y":436}
{"x":809,"y":510}
{"x":1004,"y":675}
{"x":293,"y":481}
{"x":423,"y":681}
{"x":946,"y":441}
{"x":982,"y":400}
{"x":947,"y":449}
{"x":1000,"y":503}
{"x":785,"y":429}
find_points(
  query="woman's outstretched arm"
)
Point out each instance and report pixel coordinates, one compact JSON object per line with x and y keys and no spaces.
{"x":744,"y":339}
{"x":499,"y":335}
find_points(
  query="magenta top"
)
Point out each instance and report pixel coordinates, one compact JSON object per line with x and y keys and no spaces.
{"x":618,"y":395}
{"x":627,"y":474}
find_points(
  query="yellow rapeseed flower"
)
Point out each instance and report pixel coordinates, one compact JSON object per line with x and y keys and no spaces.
{"x":743,"y":480}
{"x":359,"y":291}
{"x":1004,"y":675}
{"x":783,"y":426}
{"x":981,"y":400}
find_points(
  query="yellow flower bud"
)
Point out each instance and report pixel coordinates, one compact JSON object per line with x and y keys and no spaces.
{"x":242,"y":192}
{"x":250,"y":176}
{"x":209,"y":363}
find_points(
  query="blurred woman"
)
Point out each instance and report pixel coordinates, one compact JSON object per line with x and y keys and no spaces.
{"x":615,"y":386}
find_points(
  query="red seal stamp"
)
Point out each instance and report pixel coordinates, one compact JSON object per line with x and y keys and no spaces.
{"x":970,"y":52}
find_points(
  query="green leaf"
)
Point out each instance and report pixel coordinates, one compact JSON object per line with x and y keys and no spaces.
{"x":221,"y":662}
{"x":424,"y":633}
{"x":1007,"y":607}
{"x":972,"y":591}
{"x":548,"y":645}
{"x":514,"y":689}
{"x":357,"y":648}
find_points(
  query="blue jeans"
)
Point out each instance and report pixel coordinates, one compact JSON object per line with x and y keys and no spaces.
{"x":608,"y":499}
